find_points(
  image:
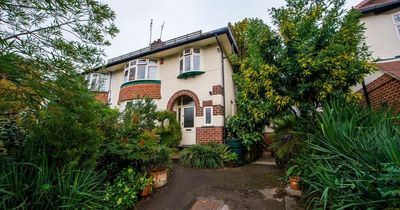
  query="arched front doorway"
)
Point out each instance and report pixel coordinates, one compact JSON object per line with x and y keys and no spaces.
{"x":186,"y":105}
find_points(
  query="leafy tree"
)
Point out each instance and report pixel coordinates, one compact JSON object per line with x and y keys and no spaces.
{"x":42,"y":40}
{"x":314,"y":52}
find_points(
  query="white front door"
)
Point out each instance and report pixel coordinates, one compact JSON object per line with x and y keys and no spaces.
{"x":186,"y":116}
{"x":187,"y":125}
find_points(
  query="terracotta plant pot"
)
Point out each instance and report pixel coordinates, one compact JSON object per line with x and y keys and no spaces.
{"x":146,"y":191}
{"x":160,"y":178}
{"x":294,"y":183}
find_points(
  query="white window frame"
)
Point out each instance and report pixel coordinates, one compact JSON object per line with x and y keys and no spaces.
{"x":396,"y":24}
{"x":205,"y":116}
{"x":189,"y":52}
{"x":140,"y":62}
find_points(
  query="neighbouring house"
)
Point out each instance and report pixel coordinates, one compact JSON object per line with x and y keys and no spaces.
{"x":382,"y":21}
{"x":190,"y":75}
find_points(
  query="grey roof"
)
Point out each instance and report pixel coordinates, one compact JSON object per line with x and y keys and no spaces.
{"x":175,"y":42}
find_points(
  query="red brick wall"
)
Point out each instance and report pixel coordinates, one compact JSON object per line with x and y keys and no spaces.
{"x":209,"y":135}
{"x":217,"y":90}
{"x":218,"y":110}
{"x":102,"y":97}
{"x":191,"y":94}
{"x":139,"y":91}
{"x":384,"y":90}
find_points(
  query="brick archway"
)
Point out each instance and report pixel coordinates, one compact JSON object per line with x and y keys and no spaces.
{"x":191,"y":94}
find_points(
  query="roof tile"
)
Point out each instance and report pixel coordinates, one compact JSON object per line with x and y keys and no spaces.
{"x":370,"y":3}
{"x":390,"y":68}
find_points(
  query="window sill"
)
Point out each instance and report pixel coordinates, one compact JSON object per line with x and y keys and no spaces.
{"x":208,"y":126}
{"x":187,"y":74}
{"x":142,"y":81}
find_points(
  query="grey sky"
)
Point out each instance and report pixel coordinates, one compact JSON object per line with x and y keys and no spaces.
{"x":181,"y":17}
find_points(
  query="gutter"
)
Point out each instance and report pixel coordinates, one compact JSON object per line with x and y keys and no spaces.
{"x":223,"y":84}
{"x":381,"y":7}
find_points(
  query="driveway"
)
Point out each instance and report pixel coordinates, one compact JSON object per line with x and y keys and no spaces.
{"x":253,"y":187}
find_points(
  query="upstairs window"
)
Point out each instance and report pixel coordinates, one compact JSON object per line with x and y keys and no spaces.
{"x":140,"y":69}
{"x":189,"y":60}
{"x":97,"y":81}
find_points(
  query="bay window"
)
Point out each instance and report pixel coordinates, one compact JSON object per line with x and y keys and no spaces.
{"x":189,"y":60}
{"x":140,"y":69}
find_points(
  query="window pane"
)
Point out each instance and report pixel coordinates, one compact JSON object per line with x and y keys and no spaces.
{"x":186,"y":100}
{"x":152,"y":61}
{"x":152,"y":72}
{"x":196,"y":62}
{"x":188,"y":121}
{"x":126,"y":76}
{"x":208,"y":115}
{"x":181,"y":66}
{"x":94,"y":81}
{"x":187,"y":51}
{"x":396,"y":18}
{"x":187,"y":63}
{"x":132,"y":74}
{"x":142,"y":61}
{"x":133,"y":63}
{"x":196,"y":50}
{"x":141,"y":72}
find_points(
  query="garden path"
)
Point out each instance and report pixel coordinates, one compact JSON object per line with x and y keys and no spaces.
{"x":252,"y":187}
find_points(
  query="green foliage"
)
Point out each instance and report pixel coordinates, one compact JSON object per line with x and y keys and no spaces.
{"x":142,"y":139}
{"x":140,"y":116}
{"x":316,"y":53}
{"x":68,"y":131}
{"x":12,"y":136}
{"x":43,"y":40}
{"x":160,"y":158}
{"x":31,"y":186}
{"x":206,"y":156}
{"x":288,"y":138}
{"x":123,"y":192}
{"x":352,"y":159}
{"x":168,"y":129}
{"x":246,"y":128}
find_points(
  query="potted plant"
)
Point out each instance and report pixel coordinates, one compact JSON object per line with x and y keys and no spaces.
{"x":159,"y":164}
{"x":294,"y":182}
{"x":146,"y":185}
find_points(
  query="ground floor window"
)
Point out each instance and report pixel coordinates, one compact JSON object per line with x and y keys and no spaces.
{"x":208,"y":112}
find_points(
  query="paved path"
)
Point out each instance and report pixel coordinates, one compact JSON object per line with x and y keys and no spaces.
{"x":252,"y":187}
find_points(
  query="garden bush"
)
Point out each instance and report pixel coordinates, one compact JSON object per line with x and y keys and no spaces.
{"x":168,"y":129}
{"x":353,"y":159}
{"x":288,"y":137}
{"x":123,"y":192}
{"x":206,"y":156}
{"x":32,"y":186}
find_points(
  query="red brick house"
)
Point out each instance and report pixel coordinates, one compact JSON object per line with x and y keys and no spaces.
{"x":382,"y":21}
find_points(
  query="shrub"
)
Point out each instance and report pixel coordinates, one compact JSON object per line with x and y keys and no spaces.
{"x":12,"y":137}
{"x":288,"y":138}
{"x":169,"y":129}
{"x":353,"y":159}
{"x":206,"y":156}
{"x":160,"y":158}
{"x":123,"y":192}
{"x":31,"y":186}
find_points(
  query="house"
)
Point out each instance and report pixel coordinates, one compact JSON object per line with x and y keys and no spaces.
{"x":382,"y":21}
{"x":190,"y":75}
